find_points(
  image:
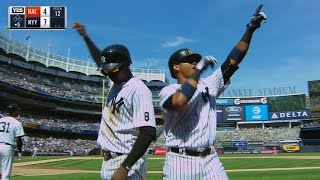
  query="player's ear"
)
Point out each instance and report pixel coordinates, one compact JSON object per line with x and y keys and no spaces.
{"x":175,"y":68}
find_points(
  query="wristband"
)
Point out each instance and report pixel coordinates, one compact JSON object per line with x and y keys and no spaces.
{"x":237,"y":55}
{"x":187,"y":89}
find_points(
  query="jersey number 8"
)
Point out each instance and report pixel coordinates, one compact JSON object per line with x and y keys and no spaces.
{"x":146,"y":116}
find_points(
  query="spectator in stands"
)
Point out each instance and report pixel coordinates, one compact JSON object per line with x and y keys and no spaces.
{"x":48,"y":84}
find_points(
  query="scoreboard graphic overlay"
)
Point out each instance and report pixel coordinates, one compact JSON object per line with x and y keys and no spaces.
{"x":37,"y":17}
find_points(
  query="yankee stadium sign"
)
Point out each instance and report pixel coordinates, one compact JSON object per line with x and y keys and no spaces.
{"x":300,"y":114}
{"x":259,"y":92}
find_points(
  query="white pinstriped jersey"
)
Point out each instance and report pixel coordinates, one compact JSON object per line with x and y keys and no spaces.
{"x":193,"y":126}
{"x":10,"y":128}
{"x":128,"y":107}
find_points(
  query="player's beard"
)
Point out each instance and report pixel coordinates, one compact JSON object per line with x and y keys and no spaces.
{"x":115,"y":78}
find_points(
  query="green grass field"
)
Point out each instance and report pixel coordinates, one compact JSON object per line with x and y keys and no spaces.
{"x":294,"y":166}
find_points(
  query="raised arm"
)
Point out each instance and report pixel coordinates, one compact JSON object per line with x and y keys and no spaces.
{"x":239,"y":51}
{"x":94,"y":51}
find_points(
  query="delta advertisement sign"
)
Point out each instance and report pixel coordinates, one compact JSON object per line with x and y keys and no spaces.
{"x":287,"y":115}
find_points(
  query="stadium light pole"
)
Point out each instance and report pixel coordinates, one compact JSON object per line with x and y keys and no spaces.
{"x":7,"y":28}
{"x":68,"y":59}
{"x":49,"y":46}
{"x":29,"y":43}
{"x":148,"y":75}
{"x":9,"y":32}
{"x":87,"y":67}
{"x":9,"y":41}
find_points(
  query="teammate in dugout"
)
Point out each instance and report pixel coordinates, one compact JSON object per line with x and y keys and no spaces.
{"x":11,"y":132}
{"x":128,"y":124}
{"x":189,"y":109}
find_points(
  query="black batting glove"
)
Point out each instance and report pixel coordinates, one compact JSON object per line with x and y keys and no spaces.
{"x":257,"y":18}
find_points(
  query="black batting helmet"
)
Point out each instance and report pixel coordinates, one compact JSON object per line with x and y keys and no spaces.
{"x":182,"y":55}
{"x":12,"y":108}
{"x":114,"y":56}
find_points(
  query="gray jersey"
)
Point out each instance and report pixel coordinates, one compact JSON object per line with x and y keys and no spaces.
{"x":128,"y":107}
{"x":195,"y":124}
{"x":10,"y":128}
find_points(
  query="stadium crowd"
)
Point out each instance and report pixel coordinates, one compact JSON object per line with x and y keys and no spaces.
{"x":51,"y":85}
{"x":58,"y":124}
{"x":259,"y":134}
{"x":51,"y":145}
{"x":312,"y":124}
{"x":57,"y":86}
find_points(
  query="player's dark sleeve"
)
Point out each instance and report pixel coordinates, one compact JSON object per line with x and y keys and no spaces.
{"x":237,"y":54}
{"x":94,"y":51}
{"x":19,"y":143}
{"x":146,"y":136}
{"x":240,"y":50}
{"x":168,"y":104}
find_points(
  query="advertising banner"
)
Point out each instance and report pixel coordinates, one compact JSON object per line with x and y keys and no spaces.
{"x":256,"y":100}
{"x":239,"y":143}
{"x":225,"y":143}
{"x":286,"y":115}
{"x":219,"y":113}
{"x":256,"y":112}
{"x":159,"y":151}
{"x":233,"y":113}
{"x":224,"y":102}
{"x":291,"y":147}
{"x":266,"y":151}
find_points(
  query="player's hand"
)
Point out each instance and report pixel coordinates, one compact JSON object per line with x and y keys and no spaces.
{"x":257,"y":18}
{"x":80,"y":28}
{"x":205,"y":62}
{"x":120,"y":174}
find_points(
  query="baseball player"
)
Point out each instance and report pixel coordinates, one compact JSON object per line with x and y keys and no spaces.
{"x":35,"y":152}
{"x":275,"y":151}
{"x":189,"y":110}
{"x":10,"y":129}
{"x":128,"y":124}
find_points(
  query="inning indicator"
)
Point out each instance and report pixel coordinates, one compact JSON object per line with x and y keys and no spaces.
{"x":37,"y":17}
